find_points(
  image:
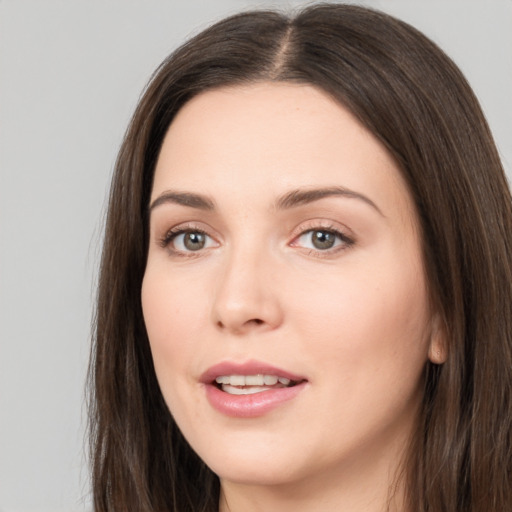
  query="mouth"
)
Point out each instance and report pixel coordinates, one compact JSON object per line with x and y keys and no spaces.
{"x":250,"y":389}
{"x":252,"y":384}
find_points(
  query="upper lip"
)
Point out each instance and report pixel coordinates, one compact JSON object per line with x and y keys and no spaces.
{"x":246,"y":368}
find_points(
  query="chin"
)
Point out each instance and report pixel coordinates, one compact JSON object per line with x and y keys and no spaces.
{"x":265,"y":474}
{"x":256,"y":462}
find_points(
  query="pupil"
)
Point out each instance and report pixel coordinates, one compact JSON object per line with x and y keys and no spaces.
{"x":194,"y":241}
{"x":323,"y":239}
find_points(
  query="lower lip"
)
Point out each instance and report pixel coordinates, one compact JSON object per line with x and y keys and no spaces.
{"x":253,"y":405}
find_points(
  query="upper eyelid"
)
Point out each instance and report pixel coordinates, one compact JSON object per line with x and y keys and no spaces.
{"x":344,"y":238}
{"x":190,"y":226}
{"x":167,"y":235}
{"x":322,"y":224}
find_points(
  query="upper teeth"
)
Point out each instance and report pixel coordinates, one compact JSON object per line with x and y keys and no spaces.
{"x":252,"y":380}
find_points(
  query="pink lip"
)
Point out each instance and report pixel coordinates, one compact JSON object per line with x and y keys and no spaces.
{"x":249,"y":406}
{"x":248,"y":368}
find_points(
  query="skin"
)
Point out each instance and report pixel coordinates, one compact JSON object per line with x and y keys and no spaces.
{"x":353,"y":319}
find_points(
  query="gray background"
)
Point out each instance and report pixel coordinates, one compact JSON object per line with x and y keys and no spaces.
{"x":70,"y":75}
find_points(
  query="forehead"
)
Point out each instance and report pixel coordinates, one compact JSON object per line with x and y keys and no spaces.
{"x":274,"y":117}
{"x":270,"y":137}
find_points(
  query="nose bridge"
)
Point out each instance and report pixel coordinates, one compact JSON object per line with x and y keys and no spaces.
{"x":246,"y":297}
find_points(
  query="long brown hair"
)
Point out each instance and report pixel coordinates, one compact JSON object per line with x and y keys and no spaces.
{"x":412,"y":97}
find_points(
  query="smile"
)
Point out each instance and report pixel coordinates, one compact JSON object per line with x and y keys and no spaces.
{"x":251,"y":389}
{"x":251,"y":384}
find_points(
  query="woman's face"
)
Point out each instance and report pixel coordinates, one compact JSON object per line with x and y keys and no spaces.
{"x":284,"y":295}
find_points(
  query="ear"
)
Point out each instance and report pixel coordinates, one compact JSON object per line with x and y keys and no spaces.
{"x":437,"y":350}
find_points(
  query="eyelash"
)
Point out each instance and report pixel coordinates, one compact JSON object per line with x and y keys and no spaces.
{"x":346,"y":241}
{"x":173,"y":233}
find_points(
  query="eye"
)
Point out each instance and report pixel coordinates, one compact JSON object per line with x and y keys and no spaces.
{"x":188,"y":240}
{"x":321,"y":239}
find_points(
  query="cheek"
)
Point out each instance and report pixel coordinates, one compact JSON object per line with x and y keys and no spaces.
{"x":172,"y":317}
{"x":366,"y":315}
{"x":176,"y":324}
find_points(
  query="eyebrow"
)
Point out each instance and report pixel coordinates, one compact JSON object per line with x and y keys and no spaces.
{"x":300,"y":197}
{"x":291,"y":199}
{"x":184,"y":199}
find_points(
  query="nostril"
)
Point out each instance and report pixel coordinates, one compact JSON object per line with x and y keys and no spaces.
{"x":240,"y":327}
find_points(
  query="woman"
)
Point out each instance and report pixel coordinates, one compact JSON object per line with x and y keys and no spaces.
{"x":305,"y":291}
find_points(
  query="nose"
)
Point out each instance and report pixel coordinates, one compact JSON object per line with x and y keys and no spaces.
{"x":247,"y":297}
